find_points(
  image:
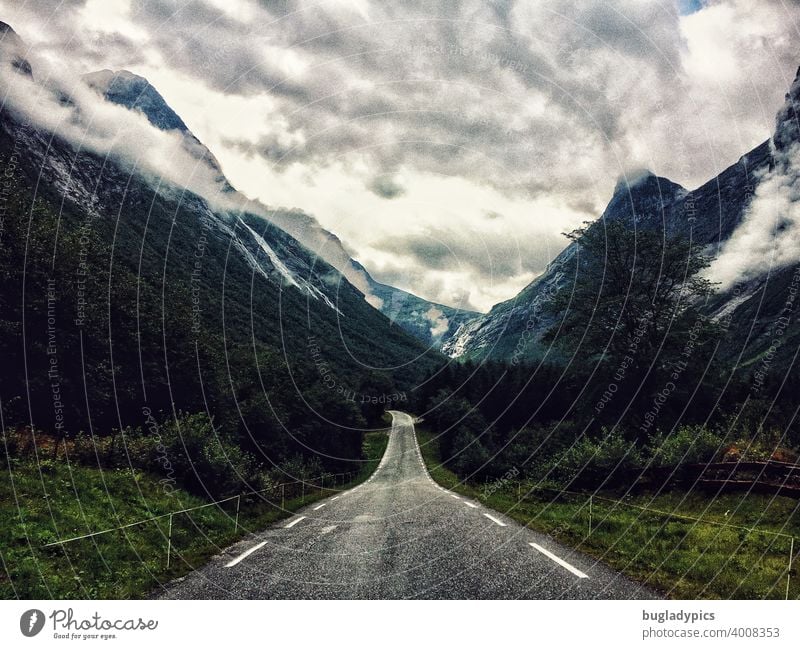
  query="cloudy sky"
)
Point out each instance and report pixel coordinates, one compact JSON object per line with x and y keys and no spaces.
{"x":448,"y":144}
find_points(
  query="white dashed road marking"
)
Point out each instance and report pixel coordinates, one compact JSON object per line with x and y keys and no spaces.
{"x":494,"y":520}
{"x":294,"y":522}
{"x":244,"y":555}
{"x":454,"y":496}
{"x":470,"y":505}
{"x":560,"y":562}
{"x":328,"y":529}
{"x":320,"y":506}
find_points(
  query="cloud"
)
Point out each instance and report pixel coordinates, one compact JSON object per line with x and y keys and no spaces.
{"x":769,"y":236}
{"x":57,"y":101}
{"x":439,"y":322}
{"x":386,"y":187}
{"x":486,"y":253}
{"x":311,"y":105}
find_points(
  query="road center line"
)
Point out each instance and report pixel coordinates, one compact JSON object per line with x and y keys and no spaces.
{"x":492,"y":518}
{"x":334,"y":498}
{"x":294,"y":522}
{"x":244,"y":555}
{"x":560,"y":562}
{"x":454,"y":496}
{"x":470,"y":505}
{"x":320,"y":506}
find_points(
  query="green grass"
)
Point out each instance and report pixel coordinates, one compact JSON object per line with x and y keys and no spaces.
{"x":679,"y":558}
{"x":375,"y":444}
{"x":40,"y":504}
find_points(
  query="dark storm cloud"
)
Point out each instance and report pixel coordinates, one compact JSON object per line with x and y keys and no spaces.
{"x":386,"y":187}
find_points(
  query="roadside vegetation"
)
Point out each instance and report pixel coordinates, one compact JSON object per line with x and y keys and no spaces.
{"x":644,"y":387}
{"x":684,"y":544}
{"x":57,"y":498}
{"x":646,"y":412}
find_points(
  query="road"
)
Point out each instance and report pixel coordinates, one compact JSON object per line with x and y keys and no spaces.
{"x":400,"y":535}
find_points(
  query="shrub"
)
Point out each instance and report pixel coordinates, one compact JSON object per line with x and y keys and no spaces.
{"x":469,"y":455}
{"x":201,"y":458}
{"x":592,"y":462}
{"x":686,"y":445}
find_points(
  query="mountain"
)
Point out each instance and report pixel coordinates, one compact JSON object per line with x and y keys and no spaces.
{"x":136,"y":93}
{"x":708,"y":215}
{"x":12,"y":51}
{"x":431,"y":323}
{"x":124,"y":294}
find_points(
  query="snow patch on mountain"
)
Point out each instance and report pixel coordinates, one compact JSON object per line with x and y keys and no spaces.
{"x":462,"y":340}
{"x":288,"y":276}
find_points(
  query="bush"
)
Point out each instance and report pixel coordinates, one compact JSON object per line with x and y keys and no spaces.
{"x":469,"y":455}
{"x":593,"y":462}
{"x":201,"y":458}
{"x":537,"y":450}
{"x":687,"y":445}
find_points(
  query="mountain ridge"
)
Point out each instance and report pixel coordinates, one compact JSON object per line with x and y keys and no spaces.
{"x":159,"y":299}
{"x":430,"y":322}
{"x":708,"y":215}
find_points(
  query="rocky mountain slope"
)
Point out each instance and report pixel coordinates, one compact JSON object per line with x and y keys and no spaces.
{"x":710,"y":215}
{"x":429,"y":322}
{"x":156,"y":292}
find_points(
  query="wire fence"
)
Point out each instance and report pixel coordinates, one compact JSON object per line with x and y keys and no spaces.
{"x":282,"y":492}
{"x":593,"y":520}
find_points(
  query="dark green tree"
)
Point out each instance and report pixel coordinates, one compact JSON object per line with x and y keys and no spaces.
{"x":632,"y":314}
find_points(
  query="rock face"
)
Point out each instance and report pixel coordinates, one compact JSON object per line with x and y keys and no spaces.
{"x":709,"y":215}
{"x":136,"y":93}
{"x":787,"y":128}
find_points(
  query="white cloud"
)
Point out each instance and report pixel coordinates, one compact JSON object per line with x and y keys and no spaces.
{"x":439,"y":322}
{"x":110,"y":17}
{"x":769,"y":236}
{"x":526,"y":110}
{"x":90,"y":123}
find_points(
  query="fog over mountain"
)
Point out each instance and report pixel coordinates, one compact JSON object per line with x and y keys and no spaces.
{"x":510,"y":120}
{"x":768,"y":239}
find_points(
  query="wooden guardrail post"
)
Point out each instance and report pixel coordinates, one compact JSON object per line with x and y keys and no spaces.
{"x":590,"y":514}
{"x":238,"y":503}
{"x":169,"y":540}
{"x":283,"y":496}
{"x":789,"y":571}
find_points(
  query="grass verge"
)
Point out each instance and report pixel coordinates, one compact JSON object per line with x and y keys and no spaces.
{"x":41,"y":503}
{"x":646,"y":538}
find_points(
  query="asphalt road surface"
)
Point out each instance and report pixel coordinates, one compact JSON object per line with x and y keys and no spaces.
{"x":399,"y":535}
